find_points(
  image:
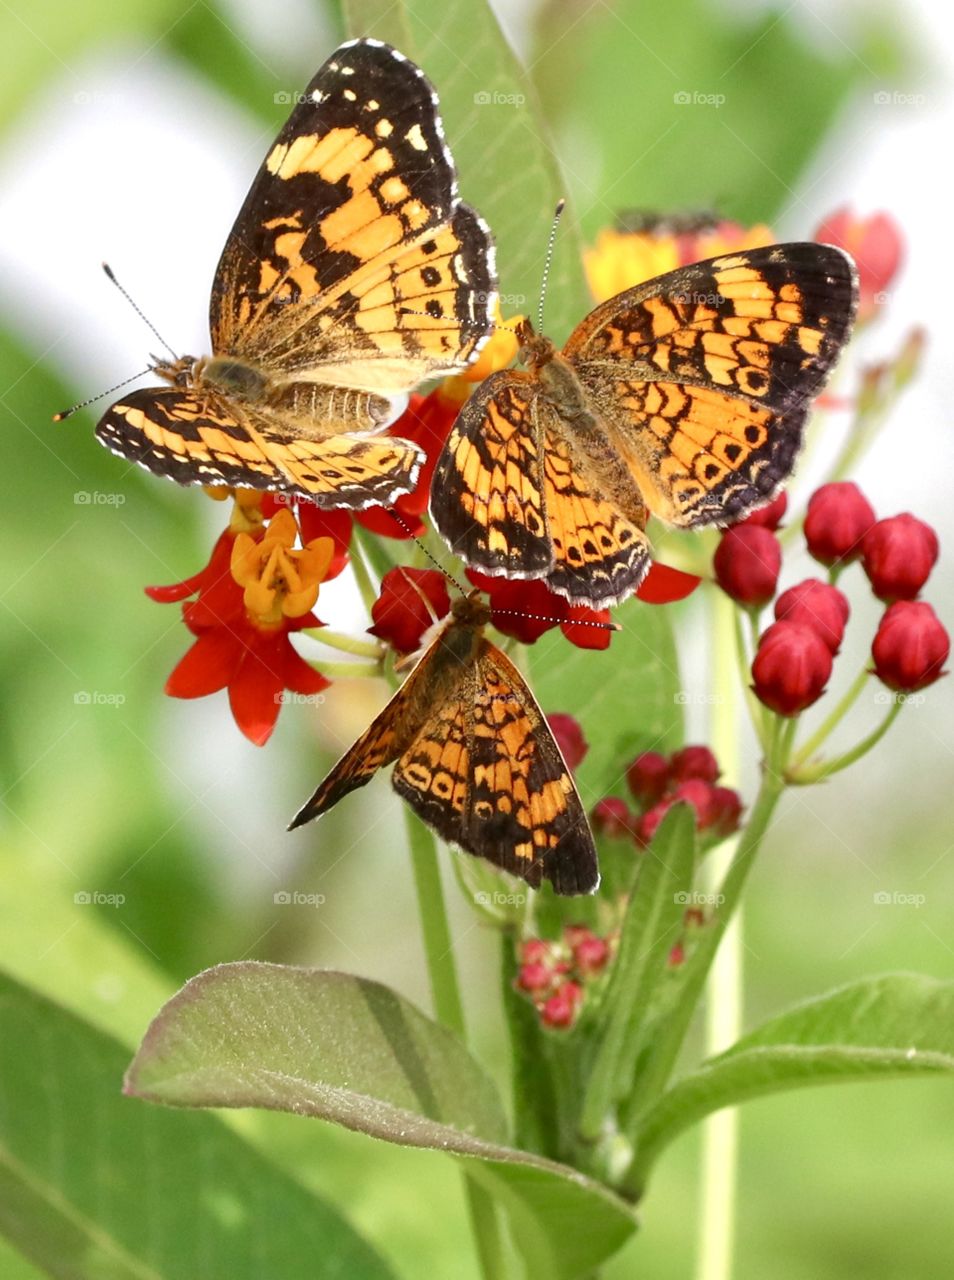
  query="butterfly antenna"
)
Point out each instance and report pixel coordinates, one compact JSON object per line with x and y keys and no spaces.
{"x":572,"y":622}
{"x":146,"y":321}
{"x":558,"y":213}
{"x":427,"y":551}
{"x":68,"y":413}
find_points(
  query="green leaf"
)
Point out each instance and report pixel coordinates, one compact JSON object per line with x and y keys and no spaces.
{"x":620,"y":716}
{"x":892,"y":1025}
{"x":345,"y":1049}
{"x":499,"y":140}
{"x":697,"y":104}
{"x":651,"y":927}
{"x":92,"y":1185}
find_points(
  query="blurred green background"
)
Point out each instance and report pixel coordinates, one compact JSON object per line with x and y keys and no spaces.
{"x":135,"y":131}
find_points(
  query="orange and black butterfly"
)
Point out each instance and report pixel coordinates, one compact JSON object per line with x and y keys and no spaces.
{"x":683,"y":398}
{"x":476,"y":759}
{"x":353,"y":273}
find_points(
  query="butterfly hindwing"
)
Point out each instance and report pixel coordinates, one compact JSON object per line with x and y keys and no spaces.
{"x":486,"y":773}
{"x":204,"y":440}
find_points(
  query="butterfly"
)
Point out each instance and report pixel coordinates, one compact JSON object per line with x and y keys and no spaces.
{"x":353,"y":273}
{"x":476,"y":759}
{"x":684,"y":398}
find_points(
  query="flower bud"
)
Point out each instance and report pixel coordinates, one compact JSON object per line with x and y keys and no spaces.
{"x":816,"y":604}
{"x":911,"y":646}
{"x":898,"y":555}
{"x":410,"y":600}
{"x":569,"y":738}
{"x":648,"y":824}
{"x":726,"y":806}
{"x":591,"y":955}
{"x":877,"y":246}
{"x":770,"y":516}
{"x":747,"y":563}
{"x":839,"y":516}
{"x":698,"y":795}
{"x":694,"y":762}
{"x":560,"y":1010}
{"x":648,"y":776}
{"x":611,"y":817}
{"x":791,"y":668}
{"x":534,"y":977}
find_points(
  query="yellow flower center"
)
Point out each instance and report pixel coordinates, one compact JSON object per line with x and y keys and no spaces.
{"x":279,"y":582}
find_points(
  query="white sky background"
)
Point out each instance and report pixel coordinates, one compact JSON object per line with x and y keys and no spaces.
{"x":129,"y":156}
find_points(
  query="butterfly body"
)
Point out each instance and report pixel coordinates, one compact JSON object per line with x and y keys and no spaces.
{"x":684,"y":398}
{"x":475,"y":758}
{"x":353,"y":273}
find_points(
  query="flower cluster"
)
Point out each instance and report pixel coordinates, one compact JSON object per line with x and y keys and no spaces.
{"x":555,"y":974}
{"x":657,"y":782}
{"x":794,"y":658}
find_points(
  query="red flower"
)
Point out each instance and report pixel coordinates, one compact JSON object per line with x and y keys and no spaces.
{"x":255,"y":591}
{"x":665,"y":585}
{"x":569,"y":738}
{"x":560,"y":1010}
{"x":694,"y":762}
{"x":769,"y":517}
{"x":648,"y":776}
{"x":410,"y":600}
{"x":877,"y":246}
{"x":791,"y":668}
{"x":898,"y":555}
{"x":747,"y":563}
{"x":911,"y":646}
{"x":526,"y":610}
{"x":817,"y":605}
{"x":839,"y":516}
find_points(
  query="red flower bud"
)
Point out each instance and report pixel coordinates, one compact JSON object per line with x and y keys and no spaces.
{"x":816,"y":604}
{"x":410,"y":600}
{"x":591,"y":955}
{"x":839,"y":516}
{"x":698,"y":794}
{"x":791,"y":668}
{"x":875,"y":243}
{"x":534,"y":977}
{"x":726,"y":805}
{"x":569,"y":738}
{"x":560,"y":1010}
{"x":694,"y":762}
{"x":648,"y":776}
{"x":898,"y":555}
{"x":648,"y":824}
{"x":911,"y":646}
{"x":747,"y":563}
{"x":611,"y":817}
{"x":770,"y":516}
{"x":535,"y":951}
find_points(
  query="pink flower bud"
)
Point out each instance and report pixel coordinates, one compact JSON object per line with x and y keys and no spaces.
{"x":569,"y":738}
{"x":747,"y":563}
{"x":898,"y":555}
{"x":611,"y":817}
{"x":911,"y":646}
{"x":560,"y":1010}
{"x":648,"y":776}
{"x":791,"y":668}
{"x":816,"y":604}
{"x":694,"y":762}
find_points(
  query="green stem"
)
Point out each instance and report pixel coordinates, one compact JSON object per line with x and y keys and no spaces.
{"x":362,"y":575}
{"x":449,"y":1009}
{"x":832,"y":720}
{"x":346,"y":644}
{"x":725,"y":984}
{"x":756,"y":709}
{"x":803,"y":776}
{"x":348,"y":670}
